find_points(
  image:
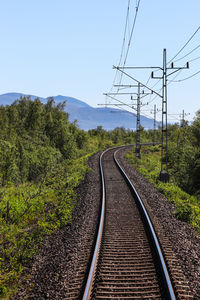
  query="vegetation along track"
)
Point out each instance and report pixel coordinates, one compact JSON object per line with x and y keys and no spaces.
{"x":128,"y":261}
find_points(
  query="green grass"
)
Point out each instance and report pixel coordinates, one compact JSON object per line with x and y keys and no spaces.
{"x":28,"y":211}
{"x":187,"y":206}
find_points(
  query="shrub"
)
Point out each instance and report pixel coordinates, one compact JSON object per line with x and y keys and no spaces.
{"x":187,"y":206}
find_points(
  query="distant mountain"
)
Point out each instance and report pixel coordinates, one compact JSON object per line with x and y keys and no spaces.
{"x":87,"y":116}
{"x":9,"y":98}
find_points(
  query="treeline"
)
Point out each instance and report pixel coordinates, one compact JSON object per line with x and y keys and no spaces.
{"x":34,"y":137}
{"x":184,"y":156}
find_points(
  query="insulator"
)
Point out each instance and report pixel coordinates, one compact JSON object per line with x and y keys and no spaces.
{"x":151,"y":74}
{"x":172,"y":65}
{"x":187,"y":65}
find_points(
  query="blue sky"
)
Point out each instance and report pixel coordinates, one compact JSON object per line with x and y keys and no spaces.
{"x":68,"y":47}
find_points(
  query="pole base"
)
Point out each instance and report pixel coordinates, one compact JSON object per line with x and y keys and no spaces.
{"x":137,"y":153}
{"x":164,"y":176}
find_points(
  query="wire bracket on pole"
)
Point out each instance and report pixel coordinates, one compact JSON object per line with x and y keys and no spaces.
{"x":164,"y":174}
{"x":138,"y":145}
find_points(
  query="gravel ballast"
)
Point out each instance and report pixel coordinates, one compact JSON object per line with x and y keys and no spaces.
{"x":184,"y":241}
{"x":58,"y":272}
{"x":61,"y":254}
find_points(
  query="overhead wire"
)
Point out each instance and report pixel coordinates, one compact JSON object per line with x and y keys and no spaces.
{"x":147,"y":116}
{"x":121,"y":102}
{"x":184,"y":45}
{"x":125,"y":52}
{"x":130,"y":38}
{"x":126,"y":110}
{"x":151,"y":100}
{"x":176,"y":75}
{"x":179,"y":59}
{"x":124,"y":38}
{"x":180,"y":80}
{"x":183,"y":79}
{"x":194,"y":59}
{"x":187,"y":54}
{"x":191,"y":60}
{"x":131,"y":35}
{"x":123,"y":43}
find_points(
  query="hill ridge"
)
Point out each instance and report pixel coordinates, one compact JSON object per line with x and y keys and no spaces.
{"x":88,"y":117}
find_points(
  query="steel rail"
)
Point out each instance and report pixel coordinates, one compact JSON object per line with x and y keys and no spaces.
{"x":165,"y":273}
{"x":92,"y":272}
{"x":90,"y":280}
{"x":91,"y":277}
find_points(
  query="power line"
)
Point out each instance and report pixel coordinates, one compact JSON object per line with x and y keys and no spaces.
{"x":185,"y":45}
{"x":124,"y":39}
{"x":146,"y":115}
{"x":123,"y":43}
{"x":178,"y":73}
{"x":184,"y":57}
{"x":194,"y":59}
{"x":179,"y":58}
{"x":187,"y":77}
{"x":121,"y":102}
{"x":188,"y":53}
{"x":179,"y":53}
{"x":130,"y":38}
{"x":150,"y":101}
{"x":172,"y":80}
{"x":131,"y":35}
{"x":121,"y":108}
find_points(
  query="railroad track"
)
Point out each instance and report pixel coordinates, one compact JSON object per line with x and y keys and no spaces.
{"x":128,"y":262}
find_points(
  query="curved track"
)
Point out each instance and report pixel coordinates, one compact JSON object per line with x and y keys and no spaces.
{"x":127,"y":261}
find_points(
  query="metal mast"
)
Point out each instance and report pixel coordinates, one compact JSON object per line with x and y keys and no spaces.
{"x":164,"y":175}
{"x":138,"y":125}
{"x":154,"y":126}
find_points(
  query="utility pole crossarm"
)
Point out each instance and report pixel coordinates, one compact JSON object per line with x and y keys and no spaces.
{"x":115,"y":104}
{"x":125,"y":85}
{"x":110,"y":94}
{"x":122,"y":68}
{"x":142,"y":84}
{"x":174,"y":71}
{"x":107,"y":94}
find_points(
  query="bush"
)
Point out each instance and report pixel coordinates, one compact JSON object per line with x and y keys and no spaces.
{"x":28,"y":211}
{"x":187,"y":206}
